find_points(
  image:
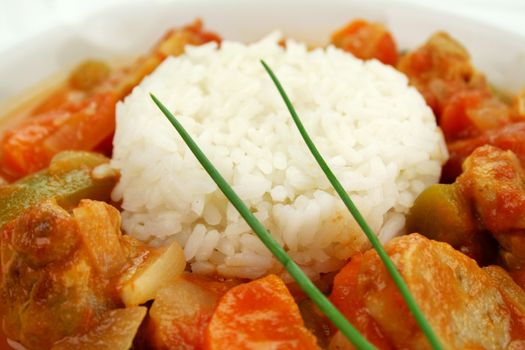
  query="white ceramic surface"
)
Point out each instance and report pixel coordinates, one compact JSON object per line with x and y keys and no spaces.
{"x":119,"y":31}
{"x":22,"y":19}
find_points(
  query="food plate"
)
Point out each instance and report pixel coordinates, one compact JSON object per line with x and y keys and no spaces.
{"x":117,"y":33}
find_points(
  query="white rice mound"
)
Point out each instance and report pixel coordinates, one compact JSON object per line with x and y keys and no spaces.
{"x":375,"y":131}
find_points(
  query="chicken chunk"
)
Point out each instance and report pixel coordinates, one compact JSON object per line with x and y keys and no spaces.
{"x":494,"y":181}
{"x":49,"y":286}
{"x":61,"y":272}
{"x":465,"y":306}
{"x":482,"y":213}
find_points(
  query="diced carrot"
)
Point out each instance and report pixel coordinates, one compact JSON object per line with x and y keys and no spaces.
{"x":30,"y":146}
{"x":367,"y":40}
{"x":259,"y":314}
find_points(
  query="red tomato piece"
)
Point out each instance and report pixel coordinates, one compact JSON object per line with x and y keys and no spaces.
{"x":259,"y":314}
{"x":439,"y":69}
{"x":455,"y":121}
{"x":510,"y":137}
{"x":367,"y":40}
{"x":471,"y":112}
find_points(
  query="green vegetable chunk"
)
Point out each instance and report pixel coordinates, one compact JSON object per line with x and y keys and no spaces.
{"x":442,"y":213}
{"x":69,"y":178}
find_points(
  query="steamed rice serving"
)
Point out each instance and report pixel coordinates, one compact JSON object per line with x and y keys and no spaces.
{"x":375,"y":131}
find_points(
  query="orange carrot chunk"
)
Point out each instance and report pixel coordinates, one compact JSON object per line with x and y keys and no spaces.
{"x":31,"y":146}
{"x":261,"y":314}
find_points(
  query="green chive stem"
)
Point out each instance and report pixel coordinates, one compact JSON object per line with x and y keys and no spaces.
{"x":396,"y":276}
{"x":298,"y":275}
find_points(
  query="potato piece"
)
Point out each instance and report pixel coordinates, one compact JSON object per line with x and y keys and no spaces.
{"x":160,"y":267}
{"x":460,"y":300}
{"x":99,"y":225}
{"x":115,"y":332}
{"x":180,"y":314}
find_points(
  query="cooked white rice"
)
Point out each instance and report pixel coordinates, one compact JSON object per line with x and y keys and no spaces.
{"x":374,"y":130}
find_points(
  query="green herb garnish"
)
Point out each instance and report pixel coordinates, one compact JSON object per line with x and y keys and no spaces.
{"x":298,"y":275}
{"x":396,"y":276}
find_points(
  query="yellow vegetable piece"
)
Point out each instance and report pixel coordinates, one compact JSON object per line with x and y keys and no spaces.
{"x":159,"y":268}
{"x":99,"y":227}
